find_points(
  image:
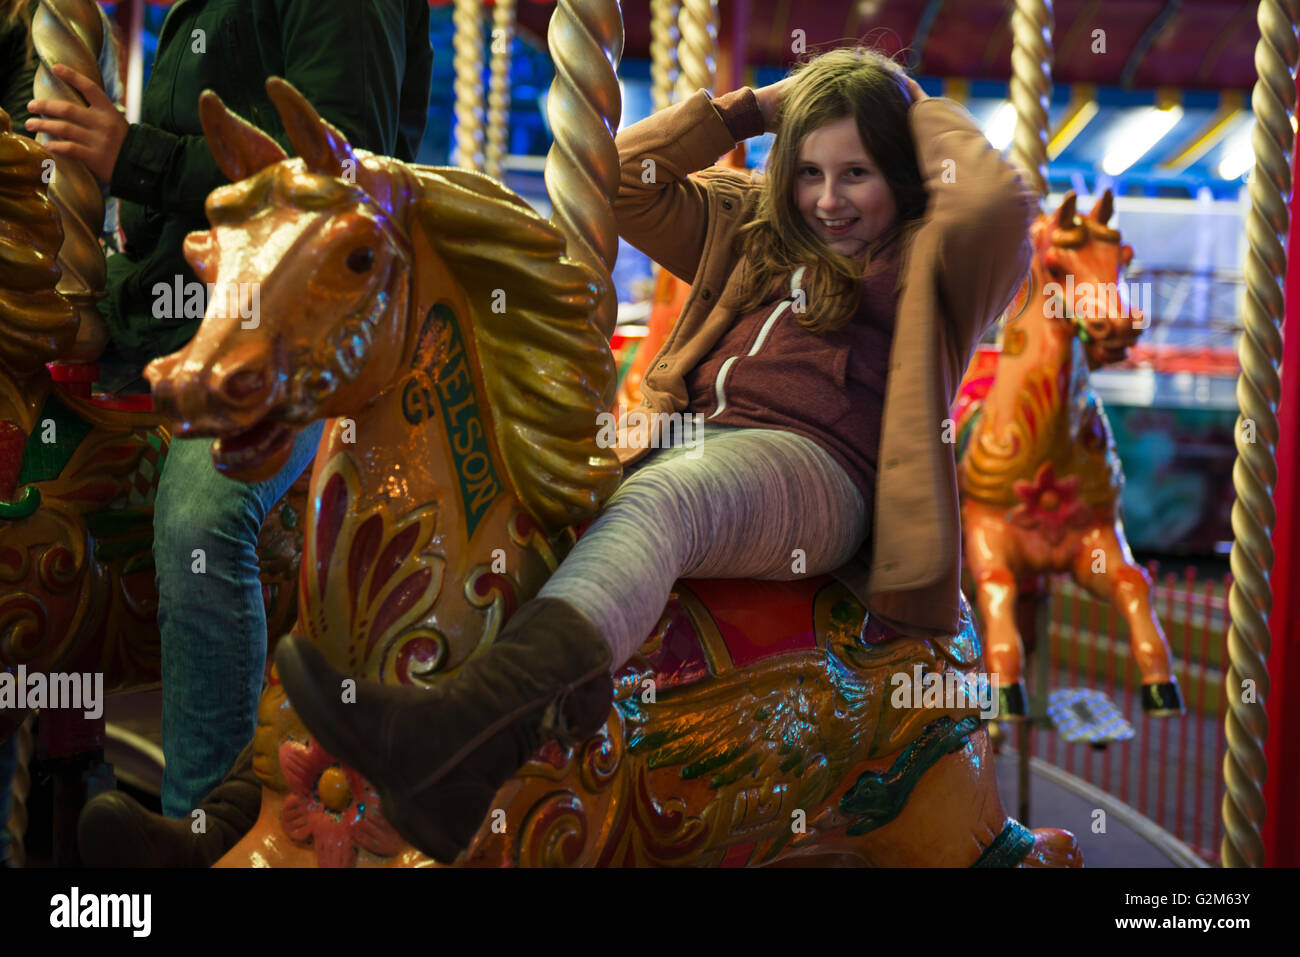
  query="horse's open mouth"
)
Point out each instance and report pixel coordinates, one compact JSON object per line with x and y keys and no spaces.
{"x":255,"y":454}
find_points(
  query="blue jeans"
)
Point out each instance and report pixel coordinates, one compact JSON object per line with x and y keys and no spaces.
{"x":212,"y":620}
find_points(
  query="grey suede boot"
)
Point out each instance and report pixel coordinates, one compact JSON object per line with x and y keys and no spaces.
{"x":438,"y":756}
{"x":115,"y":831}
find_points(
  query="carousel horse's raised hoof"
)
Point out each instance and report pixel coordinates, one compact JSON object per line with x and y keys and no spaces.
{"x":438,"y":757}
{"x":1162,"y":699}
{"x":1012,"y":701}
{"x":115,"y":831}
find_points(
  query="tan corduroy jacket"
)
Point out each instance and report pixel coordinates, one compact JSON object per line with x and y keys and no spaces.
{"x":960,"y":269}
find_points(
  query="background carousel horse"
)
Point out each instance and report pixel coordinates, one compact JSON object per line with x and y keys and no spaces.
{"x":78,"y":477}
{"x":432,"y":316}
{"x":1039,"y":476}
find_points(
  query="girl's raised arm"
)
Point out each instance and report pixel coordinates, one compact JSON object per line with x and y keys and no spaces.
{"x":980,"y":208}
{"x":661,"y":208}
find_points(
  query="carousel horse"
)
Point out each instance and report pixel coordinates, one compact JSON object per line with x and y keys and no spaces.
{"x":1039,"y":476}
{"x":78,"y":477}
{"x":431,"y":316}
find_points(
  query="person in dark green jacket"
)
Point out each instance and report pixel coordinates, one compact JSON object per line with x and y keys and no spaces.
{"x":366,"y":67}
{"x":17,"y":60}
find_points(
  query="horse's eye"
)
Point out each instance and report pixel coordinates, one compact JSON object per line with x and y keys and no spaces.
{"x":361,"y":259}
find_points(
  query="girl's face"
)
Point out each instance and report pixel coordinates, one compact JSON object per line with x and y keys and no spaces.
{"x":840,"y":191}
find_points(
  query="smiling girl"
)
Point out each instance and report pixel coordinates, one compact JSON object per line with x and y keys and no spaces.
{"x":835,"y":304}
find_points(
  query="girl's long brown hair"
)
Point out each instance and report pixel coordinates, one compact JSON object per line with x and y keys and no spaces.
{"x":869,"y":87}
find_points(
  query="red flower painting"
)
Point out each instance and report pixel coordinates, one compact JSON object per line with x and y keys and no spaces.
{"x":1049,"y":505}
{"x":332,"y":808}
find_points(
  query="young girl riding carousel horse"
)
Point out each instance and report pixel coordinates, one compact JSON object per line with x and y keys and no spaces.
{"x":835,"y":304}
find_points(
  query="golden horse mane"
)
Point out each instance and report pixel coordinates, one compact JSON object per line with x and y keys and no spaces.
{"x":37,"y":324}
{"x":547,"y":370}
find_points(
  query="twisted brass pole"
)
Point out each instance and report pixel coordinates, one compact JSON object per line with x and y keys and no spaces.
{"x":1254,"y":474}
{"x":698,"y":53}
{"x":70,"y":32}
{"x":663,"y":51}
{"x":1031,"y":88}
{"x":583,"y":107}
{"x":498,"y":122}
{"x":468,"y":63}
{"x":19,"y":788}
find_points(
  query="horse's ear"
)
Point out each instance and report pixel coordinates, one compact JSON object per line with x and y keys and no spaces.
{"x":1065,"y":215}
{"x":321,"y":145}
{"x":1105,"y":206}
{"x":240,"y":148}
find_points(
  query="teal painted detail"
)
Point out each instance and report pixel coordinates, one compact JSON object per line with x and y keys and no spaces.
{"x":1009,"y":848}
{"x":876,"y":799}
{"x":27,"y":503}
{"x":43,"y":461}
{"x":453,"y":383}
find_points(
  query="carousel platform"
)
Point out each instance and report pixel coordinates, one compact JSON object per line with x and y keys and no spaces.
{"x":1057,"y":799}
{"x":1060,"y":799}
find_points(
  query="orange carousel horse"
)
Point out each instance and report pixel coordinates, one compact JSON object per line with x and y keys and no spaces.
{"x":431,"y":316}
{"x":1039,"y":476}
{"x":78,"y":476}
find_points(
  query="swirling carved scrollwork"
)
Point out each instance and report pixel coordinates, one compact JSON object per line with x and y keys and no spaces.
{"x":555,"y":832}
{"x":601,"y":756}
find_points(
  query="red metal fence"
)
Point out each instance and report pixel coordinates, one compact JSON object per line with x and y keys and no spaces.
{"x":1171,"y":771}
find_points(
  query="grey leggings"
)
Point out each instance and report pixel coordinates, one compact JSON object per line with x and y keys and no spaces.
{"x":737,"y":506}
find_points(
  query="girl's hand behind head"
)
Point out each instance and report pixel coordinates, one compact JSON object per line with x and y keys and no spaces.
{"x":914,"y":88}
{"x":770,"y":98}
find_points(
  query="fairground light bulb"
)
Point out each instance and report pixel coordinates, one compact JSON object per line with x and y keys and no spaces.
{"x":1002,"y":126}
{"x":1238,"y":155}
{"x":1142,"y":131}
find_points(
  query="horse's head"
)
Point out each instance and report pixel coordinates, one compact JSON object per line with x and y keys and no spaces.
{"x":305,"y":267}
{"x":1077,"y":265}
{"x":315,"y":267}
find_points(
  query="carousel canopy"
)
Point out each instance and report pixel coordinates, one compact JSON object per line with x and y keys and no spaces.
{"x":1189,"y":44}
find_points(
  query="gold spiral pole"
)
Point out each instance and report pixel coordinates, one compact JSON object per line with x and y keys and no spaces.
{"x":468,"y":63}
{"x":1031,"y":88}
{"x":583,"y":108}
{"x":19,"y":788}
{"x":1254,"y":474}
{"x":663,"y":51}
{"x":498,"y":119}
{"x":70,"y":32}
{"x":698,"y":53}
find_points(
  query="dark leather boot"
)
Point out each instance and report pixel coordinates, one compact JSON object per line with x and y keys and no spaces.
{"x":438,"y":756}
{"x":115,"y":831}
